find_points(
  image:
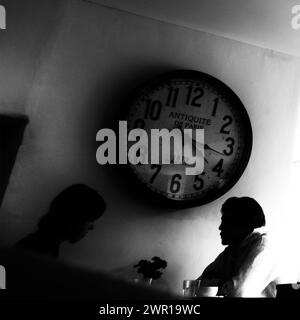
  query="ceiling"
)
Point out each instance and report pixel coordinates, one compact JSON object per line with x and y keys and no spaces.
{"x":265,"y":23}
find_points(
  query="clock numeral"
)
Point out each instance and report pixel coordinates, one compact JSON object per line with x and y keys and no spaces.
{"x":175,"y":183}
{"x":157,"y":169}
{"x":219,"y":167}
{"x":198,"y":183}
{"x":229,"y":146}
{"x":139,"y":124}
{"x":153,"y":109}
{"x":172,"y":97}
{"x":228,"y":122}
{"x":216,"y":102}
{"x":193,"y":100}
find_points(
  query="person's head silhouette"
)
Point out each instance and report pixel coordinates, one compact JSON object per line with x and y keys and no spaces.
{"x":72,"y":213}
{"x":240,"y":216}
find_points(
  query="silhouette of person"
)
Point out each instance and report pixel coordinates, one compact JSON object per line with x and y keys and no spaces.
{"x":70,"y":217}
{"x":246,"y":267}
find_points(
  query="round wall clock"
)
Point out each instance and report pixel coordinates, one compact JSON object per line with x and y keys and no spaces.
{"x":193,"y":100}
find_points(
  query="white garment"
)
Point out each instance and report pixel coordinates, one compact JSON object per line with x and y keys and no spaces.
{"x":248,"y":270}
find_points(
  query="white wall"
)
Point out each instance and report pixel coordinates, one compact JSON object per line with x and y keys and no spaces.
{"x":265,"y":23}
{"x":92,"y":58}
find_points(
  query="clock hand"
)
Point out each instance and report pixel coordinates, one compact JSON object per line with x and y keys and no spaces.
{"x":207,"y":147}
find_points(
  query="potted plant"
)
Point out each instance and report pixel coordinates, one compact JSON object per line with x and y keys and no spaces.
{"x":150,"y":269}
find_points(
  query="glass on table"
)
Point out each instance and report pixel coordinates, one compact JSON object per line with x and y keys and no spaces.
{"x":190,"y":288}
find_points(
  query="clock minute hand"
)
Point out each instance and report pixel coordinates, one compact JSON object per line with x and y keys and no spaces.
{"x":207,"y":147}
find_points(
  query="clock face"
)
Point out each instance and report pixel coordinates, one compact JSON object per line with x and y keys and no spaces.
{"x":193,"y":100}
